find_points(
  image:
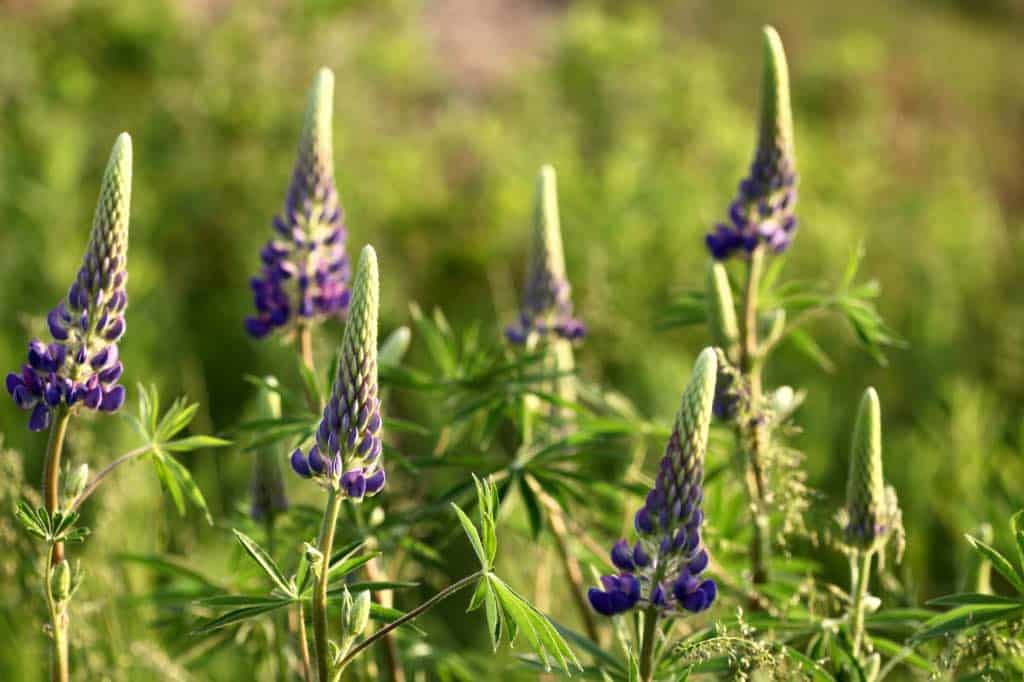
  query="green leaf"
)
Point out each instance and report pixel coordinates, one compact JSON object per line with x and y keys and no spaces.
{"x":386,"y":614}
{"x":242,"y":600}
{"x":188,"y":485}
{"x":168,"y":481}
{"x":805,"y":343}
{"x":495,"y":616}
{"x":194,"y":443}
{"x":1017,"y":526}
{"x":816,"y":671}
{"x":907,"y":655}
{"x":264,"y":561}
{"x":237,"y":616}
{"x":474,"y":537}
{"x":974,"y":598}
{"x":532,"y":507}
{"x":177,"y":417}
{"x":999,"y":562}
{"x":966,"y":617}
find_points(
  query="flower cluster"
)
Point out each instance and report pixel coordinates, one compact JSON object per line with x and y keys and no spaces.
{"x":547,"y":301}
{"x":762,"y":211}
{"x":664,"y":566}
{"x":81,"y":366}
{"x":305,"y":267}
{"x":347,"y":451}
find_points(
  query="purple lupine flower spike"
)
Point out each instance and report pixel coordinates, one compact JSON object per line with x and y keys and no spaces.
{"x":547,"y":300}
{"x":305,"y":269}
{"x":763,"y":210}
{"x":346,"y":455}
{"x":664,"y":567}
{"x":81,"y":365}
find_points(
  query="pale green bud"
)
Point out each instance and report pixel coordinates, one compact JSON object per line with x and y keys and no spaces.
{"x":725,"y":330}
{"x":74,"y":482}
{"x":866,"y":504}
{"x":776,"y":126}
{"x":60,"y":581}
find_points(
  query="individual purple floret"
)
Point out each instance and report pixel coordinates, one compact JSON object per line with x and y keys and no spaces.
{"x":346,"y":455}
{"x":663,"y":568}
{"x":547,"y":301}
{"x":81,"y":366}
{"x":762,"y":211}
{"x":305,"y":267}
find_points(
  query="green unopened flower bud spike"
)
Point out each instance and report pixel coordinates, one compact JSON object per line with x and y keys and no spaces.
{"x":725,"y":330}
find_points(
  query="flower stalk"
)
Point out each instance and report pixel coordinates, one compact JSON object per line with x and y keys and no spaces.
{"x":325,"y":544}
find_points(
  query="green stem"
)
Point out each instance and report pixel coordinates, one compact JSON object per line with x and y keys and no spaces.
{"x":106,"y":471}
{"x":411,"y":615}
{"x":647,"y":646}
{"x":51,"y":495}
{"x":754,"y":435}
{"x":860,"y":576}
{"x":392,"y":657}
{"x":51,"y":470}
{"x":305,"y":346}
{"x":325,"y":545}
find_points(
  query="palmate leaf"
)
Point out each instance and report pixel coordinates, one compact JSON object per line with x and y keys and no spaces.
{"x":51,"y":528}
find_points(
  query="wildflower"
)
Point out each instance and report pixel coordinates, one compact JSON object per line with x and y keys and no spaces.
{"x":81,"y":366}
{"x":663,"y":568}
{"x":346,"y":455}
{"x":762,"y":211}
{"x":547,"y":301}
{"x":305,"y":268}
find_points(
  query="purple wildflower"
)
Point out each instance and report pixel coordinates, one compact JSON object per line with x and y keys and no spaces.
{"x":763,"y":210}
{"x":347,"y":452}
{"x":81,"y":366}
{"x":547,"y":301}
{"x":305,"y":267}
{"x":664,"y":567}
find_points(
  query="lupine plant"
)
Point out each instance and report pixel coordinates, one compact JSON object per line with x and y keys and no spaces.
{"x":79,"y":370}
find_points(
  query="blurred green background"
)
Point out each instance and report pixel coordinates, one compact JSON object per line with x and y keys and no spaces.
{"x":910,"y":137}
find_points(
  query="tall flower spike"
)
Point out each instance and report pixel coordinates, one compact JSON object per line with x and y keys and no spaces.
{"x":347,"y":452}
{"x":80,"y":366}
{"x":547,"y":299}
{"x":305,"y":268}
{"x":866,"y":505}
{"x":266,"y":487}
{"x":762,"y":211}
{"x":664,"y":567}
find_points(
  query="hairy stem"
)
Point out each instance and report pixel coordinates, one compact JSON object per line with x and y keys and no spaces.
{"x":411,"y":615}
{"x":753,"y":435}
{"x":325,"y":545}
{"x":860,"y":576}
{"x":647,"y":646}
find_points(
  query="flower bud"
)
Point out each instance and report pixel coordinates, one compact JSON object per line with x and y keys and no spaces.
{"x":60,"y":581}
{"x":722,"y":311}
{"x":74,"y":482}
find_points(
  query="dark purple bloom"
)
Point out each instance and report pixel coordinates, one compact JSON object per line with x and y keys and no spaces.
{"x":664,"y":566}
{"x":90,"y":320}
{"x":762,"y":211}
{"x":305,"y":267}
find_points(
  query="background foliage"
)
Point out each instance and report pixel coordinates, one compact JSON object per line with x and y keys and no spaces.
{"x":908,"y":126}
